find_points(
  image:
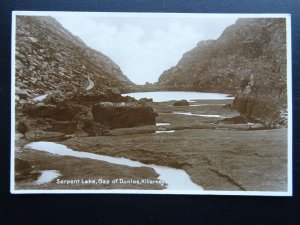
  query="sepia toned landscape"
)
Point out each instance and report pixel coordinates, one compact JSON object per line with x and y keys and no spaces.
{"x":217,"y":120}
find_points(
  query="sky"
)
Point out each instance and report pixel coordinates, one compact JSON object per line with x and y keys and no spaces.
{"x":144,"y":45}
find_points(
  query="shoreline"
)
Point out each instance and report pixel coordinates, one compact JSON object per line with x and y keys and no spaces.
{"x":215,"y":157}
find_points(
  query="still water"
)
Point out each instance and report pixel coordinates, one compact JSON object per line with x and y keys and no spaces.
{"x":175,"y":179}
{"x":163,"y":96}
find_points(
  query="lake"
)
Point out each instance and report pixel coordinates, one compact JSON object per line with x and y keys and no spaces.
{"x":163,"y":96}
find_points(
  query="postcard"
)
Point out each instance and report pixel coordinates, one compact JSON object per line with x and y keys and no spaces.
{"x":151,"y":103}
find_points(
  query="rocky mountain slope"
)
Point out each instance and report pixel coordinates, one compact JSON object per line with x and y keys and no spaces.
{"x":50,"y":60}
{"x":58,"y":80}
{"x":248,"y":59}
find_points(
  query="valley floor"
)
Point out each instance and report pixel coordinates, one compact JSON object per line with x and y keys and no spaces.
{"x":217,"y":156}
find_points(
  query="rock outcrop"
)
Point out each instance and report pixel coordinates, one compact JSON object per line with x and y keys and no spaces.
{"x":50,"y":60}
{"x":181,"y":103}
{"x":123,"y":115}
{"x":57,"y":112}
{"x":248,"y":59}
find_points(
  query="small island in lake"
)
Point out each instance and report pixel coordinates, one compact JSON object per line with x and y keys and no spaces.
{"x":216,"y":121}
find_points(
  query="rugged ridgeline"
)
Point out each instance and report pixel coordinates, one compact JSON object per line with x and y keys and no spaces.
{"x":50,"y":60}
{"x":248,"y":59}
{"x":59,"y":80}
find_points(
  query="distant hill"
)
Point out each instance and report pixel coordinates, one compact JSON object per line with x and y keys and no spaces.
{"x":51,"y":60}
{"x":248,"y":59}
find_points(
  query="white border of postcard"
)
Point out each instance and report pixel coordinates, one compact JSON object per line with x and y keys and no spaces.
{"x":289,"y":191}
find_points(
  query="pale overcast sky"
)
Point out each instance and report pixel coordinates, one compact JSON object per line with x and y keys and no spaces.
{"x":144,"y":45}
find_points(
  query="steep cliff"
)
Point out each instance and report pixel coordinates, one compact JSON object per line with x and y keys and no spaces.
{"x":248,"y":59}
{"x":50,"y":60}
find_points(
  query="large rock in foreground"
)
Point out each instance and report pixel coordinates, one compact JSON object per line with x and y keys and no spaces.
{"x":121,"y":115}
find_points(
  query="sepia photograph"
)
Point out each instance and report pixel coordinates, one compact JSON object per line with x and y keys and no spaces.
{"x":151,"y":103}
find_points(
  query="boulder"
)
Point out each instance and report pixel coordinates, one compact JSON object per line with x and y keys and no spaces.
{"x":62,"y":113}
{"x":145,"y":100}
{"x":181,"y":103}
{"x":123,"y":115}
{"x":93,"y":128}
{"x":66,"y":127}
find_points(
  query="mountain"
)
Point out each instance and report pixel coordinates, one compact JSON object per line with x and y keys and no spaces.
{"x":248,"y":60}
{"x":50,"y":60}
{"x":60,"y":84}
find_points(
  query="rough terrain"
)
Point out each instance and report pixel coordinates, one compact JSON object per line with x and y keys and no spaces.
{"x":69,"y":93}
{"x":51,"y":61}
{"x":217,"y":155}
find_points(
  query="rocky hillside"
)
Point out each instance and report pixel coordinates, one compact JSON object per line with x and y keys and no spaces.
{"x":248,"y":59}
{"x":50,"y":60}
{"x":59,"y":80}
